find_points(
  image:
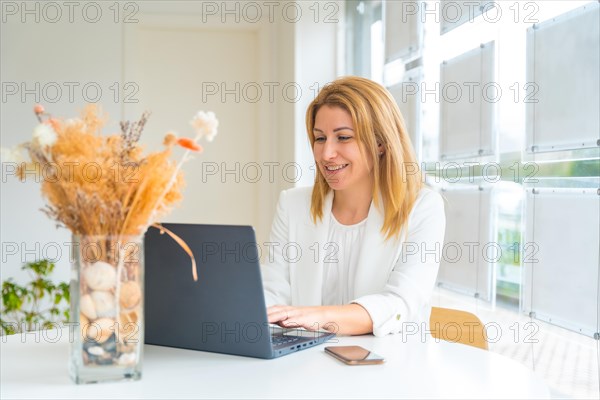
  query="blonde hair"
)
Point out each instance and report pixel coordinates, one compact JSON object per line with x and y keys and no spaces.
{"x":377,"y":120}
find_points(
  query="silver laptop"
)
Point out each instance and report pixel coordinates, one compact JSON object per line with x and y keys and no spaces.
{"x":224,"y":311}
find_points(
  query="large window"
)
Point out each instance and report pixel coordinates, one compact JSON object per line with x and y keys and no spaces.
{"x":501,"y":101}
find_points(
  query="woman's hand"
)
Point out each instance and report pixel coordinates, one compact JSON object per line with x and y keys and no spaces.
{"x":349,"y":319}
{"x":310,"y":318}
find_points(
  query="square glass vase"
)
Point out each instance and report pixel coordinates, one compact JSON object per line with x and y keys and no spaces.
{"x":107,"y":308}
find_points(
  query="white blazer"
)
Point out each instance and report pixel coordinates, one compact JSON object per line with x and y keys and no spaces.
{"x":394,"y":279}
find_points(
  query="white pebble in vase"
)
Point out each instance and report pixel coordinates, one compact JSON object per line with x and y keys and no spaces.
{"x":87,"y":307}
{"x":106,"y":306}
{"x":101,"y":330}
{"x":96,"y":351}
{"x":100,"y":276}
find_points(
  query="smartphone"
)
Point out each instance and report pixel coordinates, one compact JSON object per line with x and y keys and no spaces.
{"x":354,"y":355}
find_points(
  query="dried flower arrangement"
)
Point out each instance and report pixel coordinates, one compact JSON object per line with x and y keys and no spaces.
{"x":99,"y":185}
{"x":107,"y":193}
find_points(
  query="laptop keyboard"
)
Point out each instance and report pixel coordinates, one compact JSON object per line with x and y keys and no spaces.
{"x":279,"y":340}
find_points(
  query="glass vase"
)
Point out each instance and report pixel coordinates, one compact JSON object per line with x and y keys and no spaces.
{"x":107,"y":300}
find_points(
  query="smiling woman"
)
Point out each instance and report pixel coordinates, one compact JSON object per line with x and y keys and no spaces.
{"x":369,"y":234}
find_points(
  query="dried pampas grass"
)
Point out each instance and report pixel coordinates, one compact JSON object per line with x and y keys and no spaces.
{"x":104,"y":185}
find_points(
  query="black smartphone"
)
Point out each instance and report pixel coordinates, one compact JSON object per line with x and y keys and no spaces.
{"x":354,"y":355}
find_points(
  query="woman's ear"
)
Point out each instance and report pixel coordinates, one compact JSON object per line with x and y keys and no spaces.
{"x":380,"y":148}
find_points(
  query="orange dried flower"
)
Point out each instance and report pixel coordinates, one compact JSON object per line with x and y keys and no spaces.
{"x":170,"y":139}
{"x":38,"y":109}
{"x":189,"y":144}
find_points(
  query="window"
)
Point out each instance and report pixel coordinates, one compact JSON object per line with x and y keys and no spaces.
{"x":505,"y":95}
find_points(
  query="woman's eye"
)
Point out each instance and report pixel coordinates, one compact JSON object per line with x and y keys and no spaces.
{"x":319,"y":139}
{"x":344,"y":138}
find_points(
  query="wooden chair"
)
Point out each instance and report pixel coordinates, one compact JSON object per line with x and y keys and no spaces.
{"x":457,"y":326}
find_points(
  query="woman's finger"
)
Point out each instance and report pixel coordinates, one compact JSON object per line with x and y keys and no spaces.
{"x":276,"y":317}
{"x":276,"y":314}
{"x":275,"y":308}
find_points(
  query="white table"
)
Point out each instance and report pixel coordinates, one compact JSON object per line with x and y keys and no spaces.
{"x":412,"y":369}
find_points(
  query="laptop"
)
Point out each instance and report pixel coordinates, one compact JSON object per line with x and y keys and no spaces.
{"x":224,"y":311}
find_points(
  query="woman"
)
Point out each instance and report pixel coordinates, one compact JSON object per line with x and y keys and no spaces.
{"x":359,"y":251}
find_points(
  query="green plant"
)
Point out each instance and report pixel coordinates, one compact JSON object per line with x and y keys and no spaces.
{"x":22,"y":305}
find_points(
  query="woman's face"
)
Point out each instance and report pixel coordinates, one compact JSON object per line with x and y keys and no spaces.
{"x":337,"y":152}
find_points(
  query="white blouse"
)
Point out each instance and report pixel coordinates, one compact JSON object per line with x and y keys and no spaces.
{"x":341,"y":261}
{"x":392,"y":279}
